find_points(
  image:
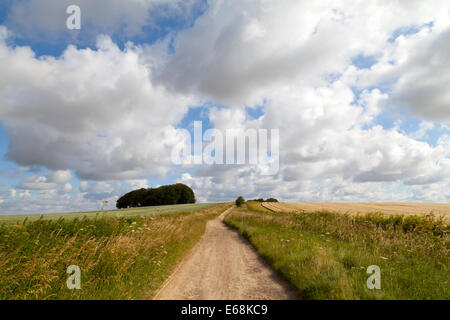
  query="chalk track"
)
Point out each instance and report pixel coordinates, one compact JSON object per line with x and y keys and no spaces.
{"x":223,"y":266}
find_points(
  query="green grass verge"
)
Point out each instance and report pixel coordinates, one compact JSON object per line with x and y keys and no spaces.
{"x":131,"y":212}
{"x":119,"y":257}
{"x":326,"y":255}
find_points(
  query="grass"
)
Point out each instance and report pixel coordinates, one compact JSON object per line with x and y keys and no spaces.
{"x":131,"y":212}
{"x":257,"y":207}
{"x":125,"y":257}
{"x":325,"y":255}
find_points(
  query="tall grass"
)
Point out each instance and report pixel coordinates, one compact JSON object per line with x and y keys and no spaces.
{"x":326,"y":255}
{"x":120,"y":258}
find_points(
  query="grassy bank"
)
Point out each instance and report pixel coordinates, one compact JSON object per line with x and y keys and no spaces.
{"x":119,"y":257}
{"x":326,"y":255}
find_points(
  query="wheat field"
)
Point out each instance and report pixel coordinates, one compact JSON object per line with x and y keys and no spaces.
{"x":389,"y":208}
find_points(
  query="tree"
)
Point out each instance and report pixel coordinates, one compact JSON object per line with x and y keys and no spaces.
{"x":271,"y":200}
{"x":240,"y":201}
{"x":172,"y":194}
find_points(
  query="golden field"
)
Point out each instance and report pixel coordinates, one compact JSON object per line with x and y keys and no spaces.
{"x":404,"y":208}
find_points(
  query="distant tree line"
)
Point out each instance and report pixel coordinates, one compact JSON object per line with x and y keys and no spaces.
{"x":240,"y":200}
{"x":178,"y":193}
{"x":267,"y":200}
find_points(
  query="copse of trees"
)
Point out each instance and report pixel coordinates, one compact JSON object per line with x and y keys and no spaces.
{"x":268,"y":200}
{"x":172,"y":194}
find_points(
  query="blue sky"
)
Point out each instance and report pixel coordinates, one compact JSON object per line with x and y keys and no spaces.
{"x":328,"y":84}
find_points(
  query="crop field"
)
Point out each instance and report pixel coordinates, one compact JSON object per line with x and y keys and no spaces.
{"x":122,"y":254}
{"x":132,"y":212}
{"x":130,"y":253}
{"x":325,"y":254}
{"x":354,"y":208}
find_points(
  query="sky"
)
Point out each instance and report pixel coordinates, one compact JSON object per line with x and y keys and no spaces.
{"x":359,"y":91}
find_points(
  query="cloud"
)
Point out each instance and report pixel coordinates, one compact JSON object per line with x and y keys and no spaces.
{"x":47,"y":201}
{"x":424,"y":83}
{"x":331,"y":148}
{"x":415,"y":70}
{"x":50,"y":181}
{"x":36,"y":183}
{"x":67,"y":187}
{"x":92,"y":111}
{"x":59,"y":176}
{"x":137,"y":183}
{"x":84,"y":185}
{"x":237,"y":50}
{"x":424,"y":127}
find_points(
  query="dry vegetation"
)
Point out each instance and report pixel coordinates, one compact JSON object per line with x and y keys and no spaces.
{"x":120,"y":258}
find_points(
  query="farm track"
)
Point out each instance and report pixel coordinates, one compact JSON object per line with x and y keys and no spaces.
{"x":223,"y":266}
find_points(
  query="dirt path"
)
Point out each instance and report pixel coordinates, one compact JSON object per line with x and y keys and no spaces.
{"x":223,"y":266}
